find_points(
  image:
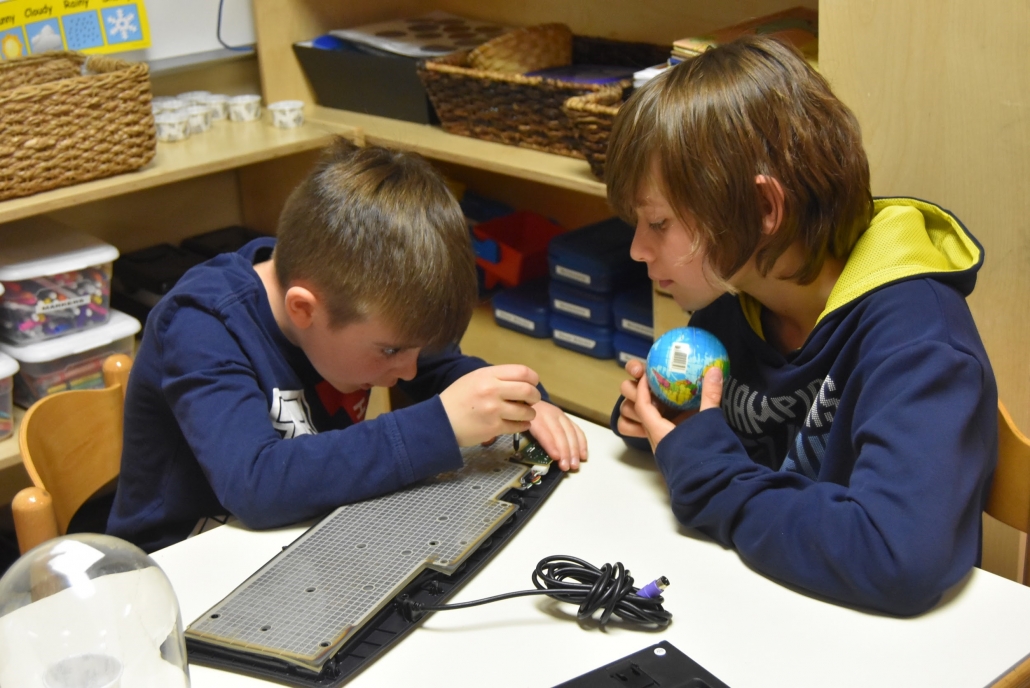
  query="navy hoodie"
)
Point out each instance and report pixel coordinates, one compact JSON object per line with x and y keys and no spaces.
{"x":224,"y":415}
{"x":857,"y":466}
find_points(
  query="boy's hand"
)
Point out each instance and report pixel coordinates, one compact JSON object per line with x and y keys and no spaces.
{"x":558,"y":436}
{"x":491,"y":401}
{"x":654,"y":424}
{"x":629,"y":420}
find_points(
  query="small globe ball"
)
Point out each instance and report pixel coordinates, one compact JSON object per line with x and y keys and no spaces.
{"x":677,"y":363}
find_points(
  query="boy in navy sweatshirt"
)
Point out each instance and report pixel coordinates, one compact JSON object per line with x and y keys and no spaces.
{"x":851,"y":448}
{"x":249,"y":391}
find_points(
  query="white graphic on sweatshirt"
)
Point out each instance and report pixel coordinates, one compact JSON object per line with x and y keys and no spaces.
{"x":787,"y":432}
{"x":290,"y":414}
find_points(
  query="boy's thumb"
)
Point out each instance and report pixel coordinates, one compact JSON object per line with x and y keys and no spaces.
{"x":711,"y":388}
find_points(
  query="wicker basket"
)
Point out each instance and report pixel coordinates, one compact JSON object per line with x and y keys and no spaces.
{"x":520,"y":110}
{"x":591,"y":117}
{"x":66,"y":118}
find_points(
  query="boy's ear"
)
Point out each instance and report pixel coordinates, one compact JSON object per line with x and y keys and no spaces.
{"x":300,"y":304}
{"x":771,"y":192}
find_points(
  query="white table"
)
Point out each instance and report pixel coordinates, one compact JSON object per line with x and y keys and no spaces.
{"x":744,"y":628}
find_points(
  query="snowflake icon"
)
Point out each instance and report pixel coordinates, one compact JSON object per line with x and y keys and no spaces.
{"x":121,"y":23}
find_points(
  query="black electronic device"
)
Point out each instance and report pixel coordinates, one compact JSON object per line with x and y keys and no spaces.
{"x":658,"y":666}
{"x":330,"y":618}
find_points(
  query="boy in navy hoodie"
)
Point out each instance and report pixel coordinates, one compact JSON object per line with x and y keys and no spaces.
{"x":851,"y":448}
{"x":249,"y":391}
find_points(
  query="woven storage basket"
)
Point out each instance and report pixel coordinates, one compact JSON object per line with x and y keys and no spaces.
{"x":66,"y":118}
{"x":591,"y":116}
{"x":520,"y":110}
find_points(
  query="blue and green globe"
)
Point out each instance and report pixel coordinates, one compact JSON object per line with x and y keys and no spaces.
{"x":678,"y":362}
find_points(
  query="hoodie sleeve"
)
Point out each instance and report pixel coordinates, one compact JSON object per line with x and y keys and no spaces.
{"x":268,"y":481}
{"x":894,"y":535}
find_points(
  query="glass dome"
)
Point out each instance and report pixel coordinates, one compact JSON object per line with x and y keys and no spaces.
{"x":89,"y":611}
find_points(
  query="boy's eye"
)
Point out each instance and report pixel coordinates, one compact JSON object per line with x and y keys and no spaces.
{"x":657,"y":226}
{"x":389,"y":351}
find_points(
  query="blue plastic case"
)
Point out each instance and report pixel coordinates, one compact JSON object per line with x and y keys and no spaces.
{"x":581,"y":304}
{"x":596,"y":257}
{"x":629,"y":347}
{"x":524,"y":309}
{"x":633,"y":312}
{"x":581,"y":336}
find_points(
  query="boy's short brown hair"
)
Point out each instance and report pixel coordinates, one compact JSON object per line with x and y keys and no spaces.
{"x":377,"y":230}
{"x":713,"y":123}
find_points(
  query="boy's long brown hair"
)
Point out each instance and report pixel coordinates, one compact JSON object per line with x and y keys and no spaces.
{"x":377,"y":231}
{"x":712,"y":124}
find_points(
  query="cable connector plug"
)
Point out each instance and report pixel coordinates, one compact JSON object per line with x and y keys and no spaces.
{"x":654,"y":588}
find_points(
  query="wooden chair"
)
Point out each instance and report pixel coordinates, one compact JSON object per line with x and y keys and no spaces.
{"x":1009,"y":500}
{"x":71,"y":445}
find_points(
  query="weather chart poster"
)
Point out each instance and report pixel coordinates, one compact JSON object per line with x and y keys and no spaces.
{"x":30,"y":27}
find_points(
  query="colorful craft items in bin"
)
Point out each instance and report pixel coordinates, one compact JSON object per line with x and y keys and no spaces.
{"x":8,"y":367}
{"x":74,"y":361}
{"x":525,"y":308}
{"x":523,"y":238}
{"x":56,"y":281}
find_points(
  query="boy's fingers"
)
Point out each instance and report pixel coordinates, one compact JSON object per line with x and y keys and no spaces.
{"x":711,"y":389}
{"x":514,"y":411}
{"x":516,"y":373}
{"x":635,"y":368}
{"x":628,"y":389}
{"x":519,"y":391}
{"x":628,"y":411}
{"x":646,"y":411}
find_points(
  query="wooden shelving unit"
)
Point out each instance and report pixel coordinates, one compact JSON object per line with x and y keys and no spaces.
{"x":586,"y":386}
{"x":433,"y":142}
{"x":227,"y":146}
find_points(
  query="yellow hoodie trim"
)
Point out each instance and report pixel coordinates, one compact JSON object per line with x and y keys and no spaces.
{"x":905,"y":238}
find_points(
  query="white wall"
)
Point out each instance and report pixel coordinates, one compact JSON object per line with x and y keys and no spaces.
{"x":183,"y":31}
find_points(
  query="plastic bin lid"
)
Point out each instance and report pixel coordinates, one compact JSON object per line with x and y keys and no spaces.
{"x":117,"y":327}
{"x":8,"y":366}
{"x":43,"y":247}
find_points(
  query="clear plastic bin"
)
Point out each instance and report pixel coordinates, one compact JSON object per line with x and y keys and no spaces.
{"x":56,"y":281}
{"x":8,"y":367}
{"x":72,"y":362}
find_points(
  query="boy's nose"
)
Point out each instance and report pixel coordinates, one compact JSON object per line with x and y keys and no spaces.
{"x":639,"y":250}
{"x":408,"y":368}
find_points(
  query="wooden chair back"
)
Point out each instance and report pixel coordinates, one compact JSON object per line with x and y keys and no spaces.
{"x":1009,"y":499}
{"x":71,"y":446}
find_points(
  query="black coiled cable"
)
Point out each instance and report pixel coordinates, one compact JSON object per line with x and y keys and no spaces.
{"x":569,"y":579}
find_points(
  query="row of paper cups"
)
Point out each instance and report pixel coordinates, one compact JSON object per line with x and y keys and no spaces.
{"x":193,"y":112}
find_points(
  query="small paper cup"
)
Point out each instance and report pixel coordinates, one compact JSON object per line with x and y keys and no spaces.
{"x":167,"y":104}
{"x":172,"y":126}
{"x":194,"y":97}
{"x":244,"y":108}
{"x":287,"y":114}
{"x":219,"y":105}
{"x":199,"y":118}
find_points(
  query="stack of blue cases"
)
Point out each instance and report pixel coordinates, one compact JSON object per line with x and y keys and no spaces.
{"x":587,"y":267}
{"x":633,"y":316}
{"x":524,"y":308}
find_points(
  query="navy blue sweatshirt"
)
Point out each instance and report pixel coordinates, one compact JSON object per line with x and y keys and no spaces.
{"x":224,"y":415}
{"x":857,"y":466}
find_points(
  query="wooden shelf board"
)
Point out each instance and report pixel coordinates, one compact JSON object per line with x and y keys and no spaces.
{"x":228,"y":145}
{"x":586,"y":386}
{"x":10,"y":455}
{"x":433,"y":142}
